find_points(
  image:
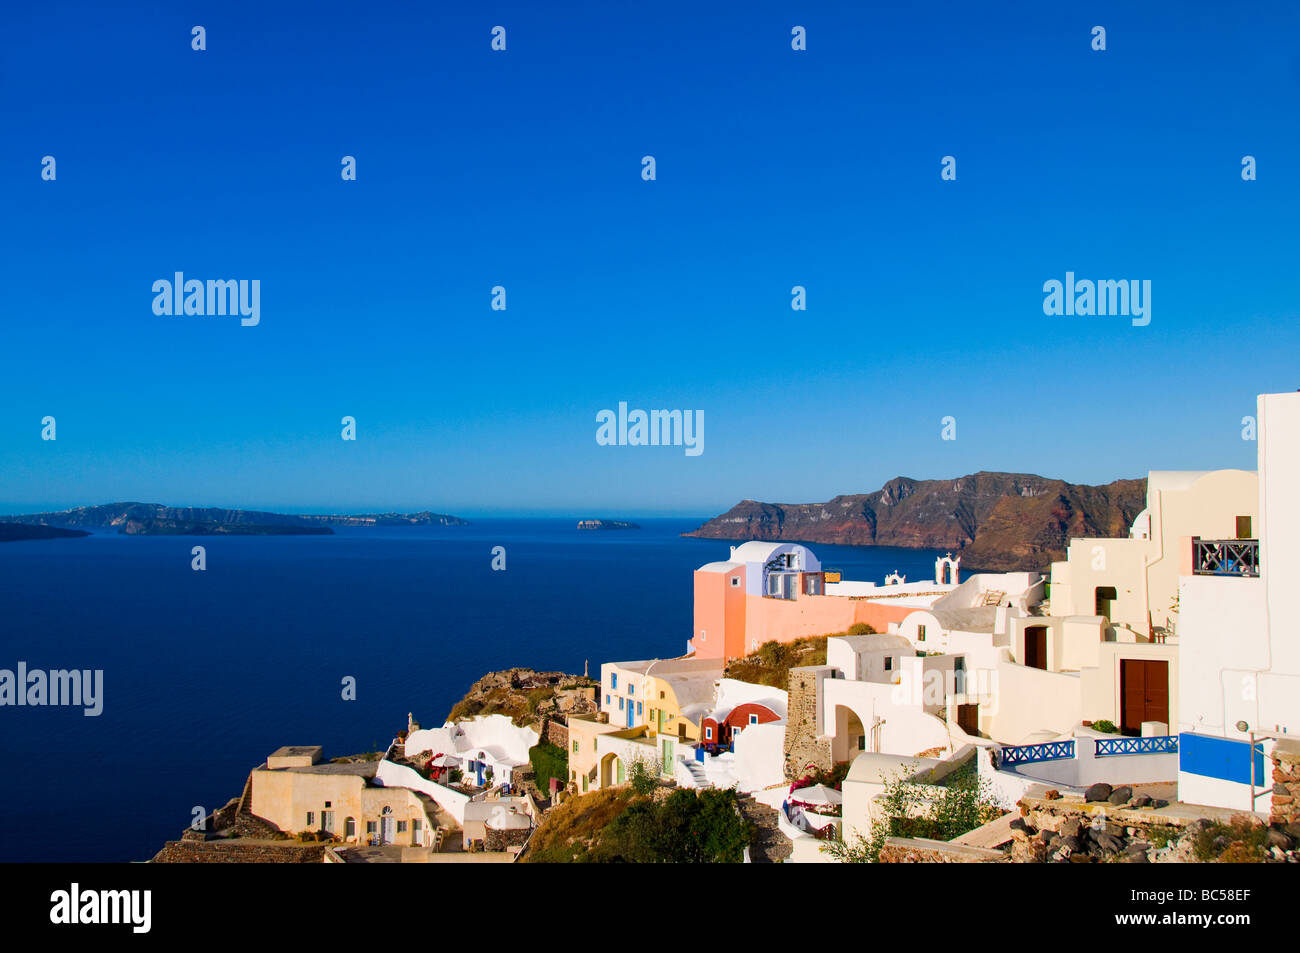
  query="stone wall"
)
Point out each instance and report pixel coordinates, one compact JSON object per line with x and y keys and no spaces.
{"x":1286,"y":783}
{"x":497,"y":841}
{"x":556,"y":733}
{"x":226,"y":852}
{"x":803,"y":746}
{"x":920,"y":850}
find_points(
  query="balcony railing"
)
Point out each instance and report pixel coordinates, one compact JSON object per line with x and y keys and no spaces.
{"x":1225,"y":557}
{"x":1159,"y":744}
{"x":1029,"y":754}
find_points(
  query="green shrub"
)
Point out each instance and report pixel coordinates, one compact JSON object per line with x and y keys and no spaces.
{"x":643,"y":776}
{"x":861,"y":628}
{"x":1105,"y":725}
{"x":687,"y":827}
{"x":548,"y":761}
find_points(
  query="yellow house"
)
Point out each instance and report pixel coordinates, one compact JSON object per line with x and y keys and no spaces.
{"x":583,"y":757}
{"x":296,"y":793}
{"x":666,"y":696}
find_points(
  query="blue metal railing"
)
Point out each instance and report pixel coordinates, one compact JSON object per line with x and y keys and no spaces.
{"x":1160,"y":744}
{"x":1029,"y":754}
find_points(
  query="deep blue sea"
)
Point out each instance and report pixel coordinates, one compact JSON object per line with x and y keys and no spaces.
{"x":206,"y":673}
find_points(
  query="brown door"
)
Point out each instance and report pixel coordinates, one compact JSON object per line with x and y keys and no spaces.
{"x":968,"y":719}
{"x":1036,"y":646}
{"x":1144,"y":693}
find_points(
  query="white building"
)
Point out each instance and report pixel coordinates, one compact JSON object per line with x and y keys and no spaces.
{"x":490,"y":747}
{"x":1239,"y":633}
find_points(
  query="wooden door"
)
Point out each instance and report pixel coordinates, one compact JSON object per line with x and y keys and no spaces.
{"x":968,"y":719}
{"x":1144,"y":693}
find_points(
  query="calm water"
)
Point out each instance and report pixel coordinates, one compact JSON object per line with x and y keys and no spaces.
{"x":205,"y":673}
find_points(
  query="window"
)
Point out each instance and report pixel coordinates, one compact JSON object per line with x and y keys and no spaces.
{"x":327,"y":820}
{"x":311,"y":819}
{"x":753,"y":719}
{"x":812,"y":585}
{"x":735,"y":582}
{"x":417,"y":825}
{"x":661,"y":695}
{"x":708,"y":733}
{"x":575,"y":746}
{"x":607,"y":699}
{"x":613,"y":680}
{"x":1243,"y":527}
{"x":638,"y":709}
{"x":372,"y":827}
{"x":350,"y":827}
{"x":401,"y":827}
{"x":920,"y":633}
{"x":889,"y":663}
{"x":631,"y":689}
{"x":620,"y":702}
{"x":862,"y":742}
{"x":329,"y":804}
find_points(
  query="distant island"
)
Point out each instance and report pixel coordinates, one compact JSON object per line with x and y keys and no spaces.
{"x":606,"y":524}
{"x":997,"y":522}
{"x":155,"y":519}
{"x":14,"y":532}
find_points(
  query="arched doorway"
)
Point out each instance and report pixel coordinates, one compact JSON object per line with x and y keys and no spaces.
{"x":851,"y":735}
{"x":611,"y":770}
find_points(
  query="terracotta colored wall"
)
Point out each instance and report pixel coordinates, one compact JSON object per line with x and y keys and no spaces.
{"x":783,"y":620}
{"x":720,"y":613}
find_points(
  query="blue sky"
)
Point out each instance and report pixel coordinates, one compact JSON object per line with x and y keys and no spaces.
{"x":522,"y":169}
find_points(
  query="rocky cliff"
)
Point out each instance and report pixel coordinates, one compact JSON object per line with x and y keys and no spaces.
{"x":996,"y":521}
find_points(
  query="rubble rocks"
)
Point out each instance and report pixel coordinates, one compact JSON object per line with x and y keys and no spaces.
{"x":1098,"y":792}
{"x":1121,"y":795}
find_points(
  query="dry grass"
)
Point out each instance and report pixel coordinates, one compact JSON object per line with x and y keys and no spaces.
{"x":571,"y":826}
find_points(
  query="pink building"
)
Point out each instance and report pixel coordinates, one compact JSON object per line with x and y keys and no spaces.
{"x":778,"y":592}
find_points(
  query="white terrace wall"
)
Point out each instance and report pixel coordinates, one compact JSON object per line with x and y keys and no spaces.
{"x":392,"y":775}
{"x":1031,"y":700}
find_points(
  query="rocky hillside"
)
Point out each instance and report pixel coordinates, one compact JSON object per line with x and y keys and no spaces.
{"x":527,"y":696}
{"x":995,"y":521}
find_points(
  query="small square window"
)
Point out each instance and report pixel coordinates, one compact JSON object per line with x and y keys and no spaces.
{"x":401,"y":827}
{"x":372,"y":826}
{"x":753,"y":719}
{"x":329,"y":804}
{"x":735,"y":582}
